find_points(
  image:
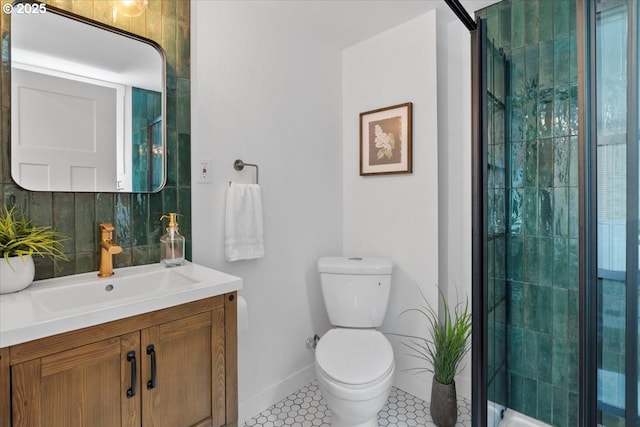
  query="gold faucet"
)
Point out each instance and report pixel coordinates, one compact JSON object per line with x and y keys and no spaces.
{"x":107,"y":249}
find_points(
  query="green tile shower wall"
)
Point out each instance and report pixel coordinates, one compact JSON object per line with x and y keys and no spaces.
{"x":538,"y":38}
{"x":135,"y":216}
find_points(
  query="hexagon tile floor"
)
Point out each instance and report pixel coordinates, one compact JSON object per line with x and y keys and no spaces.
{"x":307,"y":408}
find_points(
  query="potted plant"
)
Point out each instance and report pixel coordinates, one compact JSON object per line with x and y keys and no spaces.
{"x":20,"y":240}
{"x":444,"y":347}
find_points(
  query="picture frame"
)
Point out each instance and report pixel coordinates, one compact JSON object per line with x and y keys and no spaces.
{"x":385,"y":140}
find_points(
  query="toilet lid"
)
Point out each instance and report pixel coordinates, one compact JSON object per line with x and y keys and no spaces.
{"x":354,"y":356}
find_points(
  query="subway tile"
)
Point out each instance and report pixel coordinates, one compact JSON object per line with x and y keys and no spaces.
{"x":140,"y":255}
{"x":184,"y":160}
{"x":560,"y":367}
{"x":545,"y":20}
{"x":14,"y":195}
{"x":546,"y":65}
{"x":573,"y":109}
{"x":84,"y":222}
{"x":516,"y":306}
{"x":561,"y":55}
{"x":560,"y":415}
{"x":530,"y":116}
{"x":561,"y":162}
{"x":517,"y":211}
{"x":169,"y":199}
{"x":561,"y":17}
{"x":172,"y":158}
{"x":139,"y":220}
{"x":64,"y":218}
{"x":86,"y":261}
{"x":560,"y":211}
{"x":530,"y":217}
{"x":493,"y":23}
{"x":517,"y":23}
{"x":561,"y":112}
{"x":545,"y":212}
{"x":123,"y":259}
{"x":505,"y":24}
{"x":545,"y":163}
{"x":40,"y":208}
{"x":530,"y":397}
{"x":105,"y":208}
{"x":572,"y":409}
{"x":530,"y":353}
{"x":530,"y":22}
{"x":517,"y":73}
{"x":560,"y":262}
{"x":64,"y":268}
{"x":44,"y":267}
{"x":516,"y":257}
{"x":560,"y":326}
{"x":530,"y":271}
{"x":573,"y":162}
{"x":515,"y":392}
{"x":545,"y":357}
{"x":5,"y":143}
{"x":531,"y":74}
{"x":545,"y":406}
{"x":573,"y":58}
{"x":531,"y":164}
{"x":122,"y":223}
{"x":545,"y":113}
{"x":573,"y":266}
{"x":545,"y":310}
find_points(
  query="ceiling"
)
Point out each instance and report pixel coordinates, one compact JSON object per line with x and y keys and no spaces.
{"x":343,"y":23}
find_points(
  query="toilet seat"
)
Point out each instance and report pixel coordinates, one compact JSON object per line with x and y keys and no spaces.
{"x":355,"y":358}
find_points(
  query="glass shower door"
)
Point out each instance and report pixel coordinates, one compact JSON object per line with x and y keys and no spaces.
{"x":617,"y":188}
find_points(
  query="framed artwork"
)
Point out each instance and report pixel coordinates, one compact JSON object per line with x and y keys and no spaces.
{"x":385,"y":140}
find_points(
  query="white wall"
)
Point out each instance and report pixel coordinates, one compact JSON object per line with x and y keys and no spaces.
{"x":395,"y":215}
{"x":266,"y":97}
{"x":454,"y":158}
{"x":423,"y":220}
{"x":292,"y":106}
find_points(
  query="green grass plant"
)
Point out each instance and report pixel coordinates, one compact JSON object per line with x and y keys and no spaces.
{"x":447,"y":339}
{"x":19,"y":237}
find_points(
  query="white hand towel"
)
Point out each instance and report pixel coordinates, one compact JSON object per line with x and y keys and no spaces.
{"x":243,"y":225}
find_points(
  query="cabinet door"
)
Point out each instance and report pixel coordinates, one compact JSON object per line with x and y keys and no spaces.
{"x":187,"y":386}
{"x":84,"y":386}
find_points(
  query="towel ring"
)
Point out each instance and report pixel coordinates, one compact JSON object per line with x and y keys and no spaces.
{"x":239,"y":165}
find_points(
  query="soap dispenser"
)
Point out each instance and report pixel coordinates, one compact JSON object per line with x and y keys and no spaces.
{"x":172,"y":243}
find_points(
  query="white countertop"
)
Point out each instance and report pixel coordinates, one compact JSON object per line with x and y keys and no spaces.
{"x":24,"y":317}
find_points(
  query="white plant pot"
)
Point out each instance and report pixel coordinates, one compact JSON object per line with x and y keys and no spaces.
{"x":16,"y":275}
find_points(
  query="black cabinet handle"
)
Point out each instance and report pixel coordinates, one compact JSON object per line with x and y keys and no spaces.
{"x":131,"y":358}
{"x":151,"y":352}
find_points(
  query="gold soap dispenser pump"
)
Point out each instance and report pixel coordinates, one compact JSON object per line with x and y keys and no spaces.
{"x":171,"y":243}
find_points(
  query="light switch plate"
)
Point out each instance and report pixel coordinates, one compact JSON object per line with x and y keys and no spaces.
{"x":203,"y":168}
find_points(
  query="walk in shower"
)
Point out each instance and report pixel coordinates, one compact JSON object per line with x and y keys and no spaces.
{"x":556,"y":202}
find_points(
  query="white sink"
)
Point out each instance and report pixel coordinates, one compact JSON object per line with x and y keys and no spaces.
{"x":109,"y":290}
{"x":52,"y":306}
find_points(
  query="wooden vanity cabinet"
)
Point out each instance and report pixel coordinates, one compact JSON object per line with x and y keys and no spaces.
{"x":173,"y":367}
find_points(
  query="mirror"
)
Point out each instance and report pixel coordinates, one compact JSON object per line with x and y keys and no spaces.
{"x":87,"y":105}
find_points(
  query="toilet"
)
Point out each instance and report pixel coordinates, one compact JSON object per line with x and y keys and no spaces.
{"x":354,"y":361}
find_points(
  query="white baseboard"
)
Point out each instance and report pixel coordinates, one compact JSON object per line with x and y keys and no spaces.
{"x":420,"y":387}
{"x":253,"y":405}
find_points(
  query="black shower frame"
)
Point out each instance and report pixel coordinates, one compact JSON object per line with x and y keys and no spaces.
{"x":587,"y":200}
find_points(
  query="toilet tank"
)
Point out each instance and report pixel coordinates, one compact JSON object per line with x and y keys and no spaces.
{"x":355,"y":290}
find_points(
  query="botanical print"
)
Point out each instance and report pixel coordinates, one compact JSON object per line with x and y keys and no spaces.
{"x":384,"y":141}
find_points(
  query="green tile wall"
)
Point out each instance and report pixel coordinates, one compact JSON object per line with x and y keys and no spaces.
{"x":541,"y":257}
{"x":135,"y":216}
